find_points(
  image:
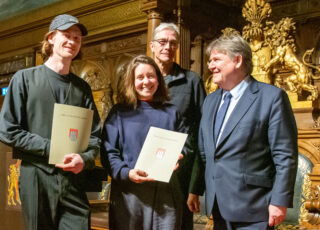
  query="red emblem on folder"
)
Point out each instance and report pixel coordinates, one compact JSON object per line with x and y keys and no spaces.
{"x":73,"y":134}
{"x":160,"y":153}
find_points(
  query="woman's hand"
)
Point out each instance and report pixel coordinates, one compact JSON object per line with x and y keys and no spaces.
{"x":177,"y":164}
{"x":138,"y":176}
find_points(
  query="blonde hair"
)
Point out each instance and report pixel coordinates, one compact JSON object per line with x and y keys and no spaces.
{"x":46,"y":47}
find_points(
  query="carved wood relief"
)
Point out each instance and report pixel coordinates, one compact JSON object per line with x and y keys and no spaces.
{"x":9,"y":66}
{"x":103,"y":65}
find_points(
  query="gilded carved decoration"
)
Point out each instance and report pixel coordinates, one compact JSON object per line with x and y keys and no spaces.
{"x":313,"y":205}
{"x":256,"y":11}
{"x":279,"y":37}
{"x":286,"y":227}
{"x":309,"y":146}
{"x":13,"y":190}
{"x":209,"y":85}
{"x":94,"y":73}
{"x":125,"y":44}
{"x":306,"y":188}
{"x":304,"y":169}
{"x":273,"y":54}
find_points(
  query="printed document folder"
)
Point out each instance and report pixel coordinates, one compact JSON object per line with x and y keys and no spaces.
{"x":71,"y":129}
{"x":160,"y":152}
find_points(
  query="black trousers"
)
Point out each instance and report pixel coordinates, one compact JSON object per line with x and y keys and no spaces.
{"x":187,"y":218}
{"x":221,"y":224}
{"x":52,"y":201}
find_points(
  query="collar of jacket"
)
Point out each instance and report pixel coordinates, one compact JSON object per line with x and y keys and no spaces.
{"x":176,"y":74}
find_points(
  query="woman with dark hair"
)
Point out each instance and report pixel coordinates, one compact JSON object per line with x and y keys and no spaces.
{"x":137,"y":201}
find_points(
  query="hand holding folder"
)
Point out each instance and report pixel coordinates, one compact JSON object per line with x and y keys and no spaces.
{"x":160,"y":153}
{"x":71,"y":129}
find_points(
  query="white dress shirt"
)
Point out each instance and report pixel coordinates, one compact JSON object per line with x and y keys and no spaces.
{"x":236,"y":93}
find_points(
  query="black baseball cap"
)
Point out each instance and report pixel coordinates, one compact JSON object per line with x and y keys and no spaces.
{"x":65,"y":21}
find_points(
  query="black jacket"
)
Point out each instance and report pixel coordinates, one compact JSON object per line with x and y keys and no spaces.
{"x":187,"y":93}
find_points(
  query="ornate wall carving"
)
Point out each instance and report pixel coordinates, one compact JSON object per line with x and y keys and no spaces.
{"x":104,"y":19}
{"x":9,"y":66}
{"x":103,"y":65}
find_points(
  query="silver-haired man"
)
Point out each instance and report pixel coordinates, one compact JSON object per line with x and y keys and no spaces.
{"x":187,"y":94}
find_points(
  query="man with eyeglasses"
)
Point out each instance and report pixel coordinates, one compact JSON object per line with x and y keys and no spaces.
{"x":187,"y":94}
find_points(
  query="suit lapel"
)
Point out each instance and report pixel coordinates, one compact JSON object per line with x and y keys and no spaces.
{"x":212,"y":114}
{"x":245,"y":102}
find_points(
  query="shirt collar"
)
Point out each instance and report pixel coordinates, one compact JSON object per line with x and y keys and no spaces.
{"x":237,"y":91}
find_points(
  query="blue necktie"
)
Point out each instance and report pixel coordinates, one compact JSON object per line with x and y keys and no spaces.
{"x":221,"y":114}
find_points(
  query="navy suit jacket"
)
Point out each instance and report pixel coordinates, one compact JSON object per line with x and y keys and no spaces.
{"x":255,"y":162}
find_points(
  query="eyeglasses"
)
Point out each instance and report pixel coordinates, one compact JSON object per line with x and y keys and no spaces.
{"x":163,"y":42}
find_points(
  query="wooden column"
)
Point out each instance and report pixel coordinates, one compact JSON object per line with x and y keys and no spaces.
{"x":196,"y":55}
{"x":183,"y":57}
{"x":155,"y":10}
{"x":154,"y":19}
{"x":183,"y":52}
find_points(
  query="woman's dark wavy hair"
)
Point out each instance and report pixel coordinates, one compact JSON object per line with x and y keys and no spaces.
{"x":129,"y":95}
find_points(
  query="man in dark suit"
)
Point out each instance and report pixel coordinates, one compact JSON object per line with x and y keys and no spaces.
{"x":248,"y":139}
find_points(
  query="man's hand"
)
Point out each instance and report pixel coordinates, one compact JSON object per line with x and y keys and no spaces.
{"x":138,"y":176}
{"x":276,"y":214}
{"x":177,"y":164}
{"x":193,"y":203}
{"x":72,"y":162}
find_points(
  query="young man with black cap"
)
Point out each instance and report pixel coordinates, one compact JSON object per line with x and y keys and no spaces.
{"x":52,"y":196}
